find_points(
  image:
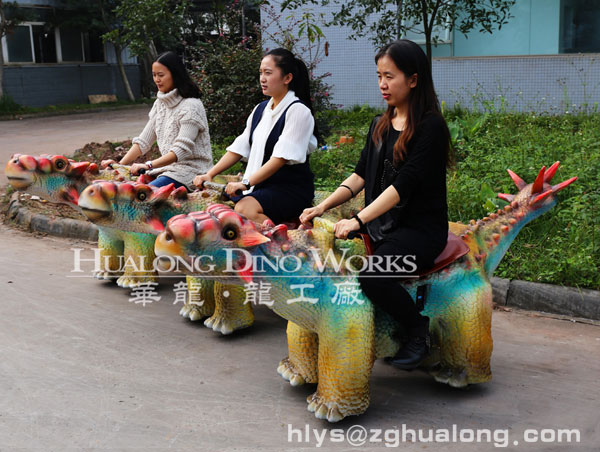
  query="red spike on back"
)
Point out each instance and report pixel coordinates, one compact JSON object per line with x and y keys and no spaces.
{"x":78,"y":168}
{"x":539,"y":181}
{"x":162,"y":193}
{"x":558,"y":187}
{"x":541,"y":197}
{"x":550,"y":172}
{"x":520,"y":183}
{"x":93,"y":168}
{"x":507,"y":197}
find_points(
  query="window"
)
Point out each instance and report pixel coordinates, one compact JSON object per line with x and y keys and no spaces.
{"x":31,"y":43}
{"x":94,"y":47}
{"x":579,"y":21}
{"x":71,"y":45}
{"x":18,"y":45}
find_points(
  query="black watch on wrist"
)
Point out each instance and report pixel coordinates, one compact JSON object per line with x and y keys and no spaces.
{"x":246,"y":182}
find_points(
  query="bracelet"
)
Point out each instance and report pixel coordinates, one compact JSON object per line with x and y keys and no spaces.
{"x":351,"y":191}
{"x":357,"y":218}
{"x":149,"y":164}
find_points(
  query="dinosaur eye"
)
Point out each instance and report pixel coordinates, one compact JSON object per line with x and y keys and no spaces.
{"x":60,"y":164}
{"x":141,"y":196}
{"x":229,"y":233}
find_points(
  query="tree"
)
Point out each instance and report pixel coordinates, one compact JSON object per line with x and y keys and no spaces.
{"x":98,"y":15}
{"x":149,"y":21}
{"x":10,"y":16}
{"x":417,"y":16}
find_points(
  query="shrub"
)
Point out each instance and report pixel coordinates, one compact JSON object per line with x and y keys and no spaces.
{"x":8,"y":106}
{"x":225,"y":66}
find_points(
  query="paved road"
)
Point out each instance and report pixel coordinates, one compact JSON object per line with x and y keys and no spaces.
{"x":83,"y":368}
{"x":66,"y":133}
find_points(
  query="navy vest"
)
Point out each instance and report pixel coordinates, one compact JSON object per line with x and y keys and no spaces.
{"x":300,"y":174}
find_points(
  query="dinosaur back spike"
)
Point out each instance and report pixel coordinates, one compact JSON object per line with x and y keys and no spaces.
{"x":550,"y":172}
{"x":520,"y":183}
{"x":93,"y":168}
{"x":539,"y":182}
{"x":506,"y":197}
{"x":78,"y":168}
{"x":163,"y":192}
{"x":541,"y":197}
{"x":558,"y":187}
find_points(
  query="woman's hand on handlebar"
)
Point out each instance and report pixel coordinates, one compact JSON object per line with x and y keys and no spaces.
{"x":308,"y":214}
{"x":136,"y":167}
{"x":235,"y":188}
{"x":200,"y":179}
{"x":343,"y":227}
{"x":105,"y":163}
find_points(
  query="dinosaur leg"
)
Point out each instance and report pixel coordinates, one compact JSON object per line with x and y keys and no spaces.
{"x":301,"y":364}
{"x":346,"y":355}
{"x":231,"y":313}
{"x":200,"y":302}
{"x":139,"y":258}
{"x":111,"y":248}
{"x":463,"y":333}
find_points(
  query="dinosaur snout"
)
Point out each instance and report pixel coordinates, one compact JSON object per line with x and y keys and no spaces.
{"x":167,"y":247}
{"x":93,"y":203}
{"x":19,"y":171}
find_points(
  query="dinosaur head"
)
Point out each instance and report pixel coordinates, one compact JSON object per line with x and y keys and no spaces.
{"x":52,"y":177}
{"x":538,"y":197}
{"x":219,"y":234}
{"x":130,"y":206}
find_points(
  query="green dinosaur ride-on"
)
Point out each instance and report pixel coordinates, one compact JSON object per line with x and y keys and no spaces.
{"x":334,"y":337}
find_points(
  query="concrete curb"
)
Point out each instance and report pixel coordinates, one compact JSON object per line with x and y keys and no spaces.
{"x":531,"y":296}
{"x":61,"y":227}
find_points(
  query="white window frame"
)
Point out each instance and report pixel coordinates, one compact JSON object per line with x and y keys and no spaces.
{"x":5,"y":43}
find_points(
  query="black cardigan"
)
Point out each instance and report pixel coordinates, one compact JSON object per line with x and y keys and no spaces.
{"x":420,"y":180}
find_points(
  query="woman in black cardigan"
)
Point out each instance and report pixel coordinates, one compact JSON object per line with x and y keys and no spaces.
{"x":403,"y":171}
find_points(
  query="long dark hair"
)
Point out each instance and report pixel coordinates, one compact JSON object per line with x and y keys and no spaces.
{"x":300,"y":84}
{"x":410,"y":59}
{"x":181,"y":79}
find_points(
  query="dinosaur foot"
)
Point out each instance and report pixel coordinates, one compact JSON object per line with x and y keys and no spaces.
{"x":226,"y":325}
{"x":324,"y":409}
{"x":106,"y":275}
{"x":457,"y":378}
{"x":195,"y":312}
{"x":288,"y":371}
{"x":129,"y":282}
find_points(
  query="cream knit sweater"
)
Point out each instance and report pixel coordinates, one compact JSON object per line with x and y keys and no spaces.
{"x":178,"y":125}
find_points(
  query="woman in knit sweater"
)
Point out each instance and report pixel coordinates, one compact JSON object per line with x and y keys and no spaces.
{"x":280,"y":133}
{"x":178,"y":124}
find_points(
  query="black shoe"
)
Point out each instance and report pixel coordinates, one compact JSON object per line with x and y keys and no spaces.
{"x":411,"y":354}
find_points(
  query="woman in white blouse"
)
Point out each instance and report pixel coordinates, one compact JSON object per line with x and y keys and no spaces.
{"x":280,"y":134}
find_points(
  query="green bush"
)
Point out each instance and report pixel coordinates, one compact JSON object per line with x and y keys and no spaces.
{"x":8,"y":106}
{"x":561,"y":247}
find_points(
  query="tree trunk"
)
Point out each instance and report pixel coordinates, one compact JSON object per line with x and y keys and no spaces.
{"x":399,"y":18}
{"x":152,"y":51}
{"x":1,"y":71}
{"x":123,"y":74}
{"x":2,"y":25}
{"x":428,"y":45}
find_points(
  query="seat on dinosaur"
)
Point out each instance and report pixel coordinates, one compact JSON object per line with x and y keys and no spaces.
{"x":455,"y":249}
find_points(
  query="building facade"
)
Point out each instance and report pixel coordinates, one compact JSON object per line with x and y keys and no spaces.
{"x":546,"y":59}
{"x":49,"y":65}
